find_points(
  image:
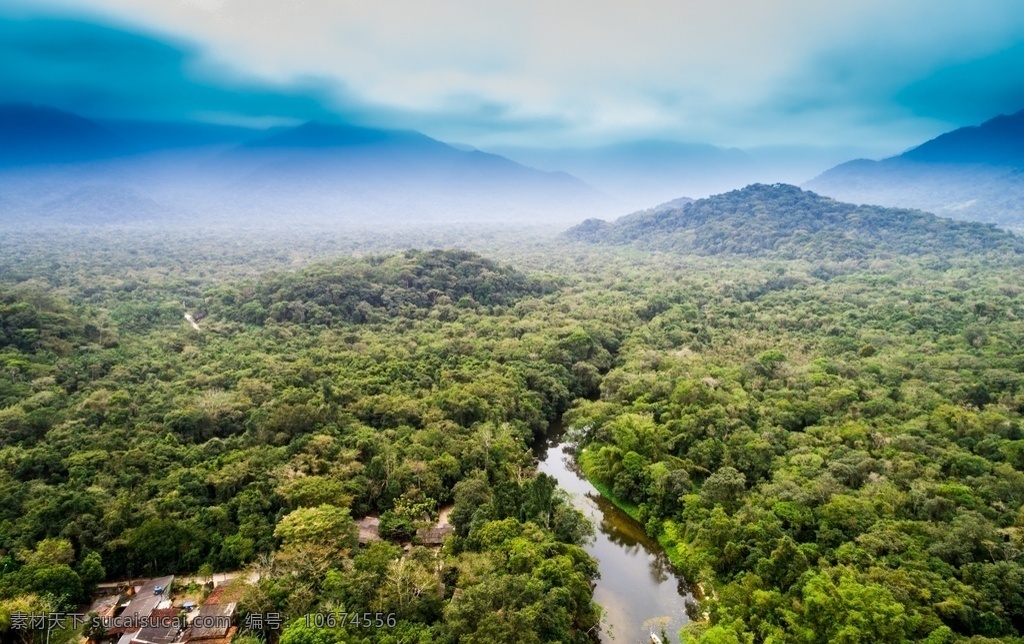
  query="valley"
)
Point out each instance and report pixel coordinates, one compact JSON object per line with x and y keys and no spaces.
{"x":511,"y":323}
{"x":801,"y":429}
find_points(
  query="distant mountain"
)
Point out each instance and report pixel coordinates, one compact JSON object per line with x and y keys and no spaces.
{"x":101,"y":204}
{"x":637,"y":173}
{"x":997,"y":142}
{"x":35,"y":134}
{"x":144,"y":136}
{"x":316,"y":135}
{"x":317,"y":146}
{"x":57,"y":166}
{"x":787,"y":222}
{"x":350,"y":172}
{"x":973,"y":173}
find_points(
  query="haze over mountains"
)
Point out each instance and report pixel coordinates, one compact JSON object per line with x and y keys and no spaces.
{"x":59,"y":166}
{"x":974,"y":173}
{"x":641,"y":173}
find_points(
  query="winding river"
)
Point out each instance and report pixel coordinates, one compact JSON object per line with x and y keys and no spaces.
{"x":638,"y":590}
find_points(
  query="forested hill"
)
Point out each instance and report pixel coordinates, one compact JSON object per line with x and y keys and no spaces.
{"x":375,"y":288}
{"x":789,"y":223}
{"x":394,"y":386}
{"x":36,"y":330}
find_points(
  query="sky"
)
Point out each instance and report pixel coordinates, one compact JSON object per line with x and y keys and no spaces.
{"x":875,"y":75}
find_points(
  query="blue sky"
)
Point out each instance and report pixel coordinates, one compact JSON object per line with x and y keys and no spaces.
{"x":873,"y":75}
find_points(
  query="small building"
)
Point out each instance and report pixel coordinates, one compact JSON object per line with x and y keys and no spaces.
{"x":214,"y":622}
{"x":142,"y":601}
{"x":106,"y":606}
{"x":435,"y":535}
{"x":164,"y":628}
{"x":149,"y":596}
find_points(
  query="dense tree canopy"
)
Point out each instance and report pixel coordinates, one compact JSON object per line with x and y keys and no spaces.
{"x":823,"y":431}
{"x":830,"y":459}
{"x":784,"y":221}
{"x":151,"y":448}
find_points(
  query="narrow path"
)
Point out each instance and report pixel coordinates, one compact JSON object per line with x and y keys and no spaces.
{"x":192,"y":321}
{"x":218,"y":579}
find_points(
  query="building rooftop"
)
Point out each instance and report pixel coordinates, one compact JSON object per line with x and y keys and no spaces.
{"x":222,"y":640}
{"x":434,"y":536}
{"x":141,"y":604}
{"x":158,"y":635}
{"x":205,"y":626}
{"x":224,"y":594}
{"x":146,"y":600}
{"x":127,"y":637}
{"x":167,"y":631}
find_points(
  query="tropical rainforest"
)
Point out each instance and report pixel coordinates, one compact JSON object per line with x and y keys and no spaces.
{"x":814,"y":407}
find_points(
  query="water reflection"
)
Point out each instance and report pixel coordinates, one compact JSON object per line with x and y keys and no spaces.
{"x":638,"y":589}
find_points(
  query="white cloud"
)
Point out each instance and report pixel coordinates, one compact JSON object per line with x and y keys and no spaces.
{"x":709,"y":71}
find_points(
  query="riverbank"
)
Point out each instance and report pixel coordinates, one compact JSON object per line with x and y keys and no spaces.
{"x":668,"y":536}
{"x":638,"y":589}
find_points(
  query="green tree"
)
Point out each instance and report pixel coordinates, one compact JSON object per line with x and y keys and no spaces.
{"x":315,"y":539}
{"x":724,"y":486}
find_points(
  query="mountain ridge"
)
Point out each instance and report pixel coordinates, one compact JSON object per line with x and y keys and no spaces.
{"x":998,"y":141}
{"x":315,"y":172}
{"x":972,"y":173}
{"x":784,"y":221}
{"x":38,"y":134}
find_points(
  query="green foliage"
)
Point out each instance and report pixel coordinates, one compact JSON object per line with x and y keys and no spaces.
{"x":298,"y":632}
{"x":52,"y":552}
{"x":833,"y":448}
{"x":90,"y":569}
{"x":782,"y":221}
{"x":820,"y":491}
{"x":58,"y":582}
{"x":32,"y":322}
{"x":376,"y":288}
{"x":406,"y":516}
{"x":315,"y":539}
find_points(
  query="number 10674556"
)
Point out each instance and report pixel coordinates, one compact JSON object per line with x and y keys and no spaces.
{"x":359,"y":620}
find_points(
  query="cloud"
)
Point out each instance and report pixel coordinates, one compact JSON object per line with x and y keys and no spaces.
{"x":108,"y":72}
{"x":583,"y":72}
{"x":971,"y":91}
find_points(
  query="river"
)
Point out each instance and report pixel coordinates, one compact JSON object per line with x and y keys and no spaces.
{"x":638,"y":589}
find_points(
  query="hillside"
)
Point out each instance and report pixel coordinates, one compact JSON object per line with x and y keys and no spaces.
{"x":377,"y":288}
{"x":789,"y":223}
{"x":972,"y":173}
